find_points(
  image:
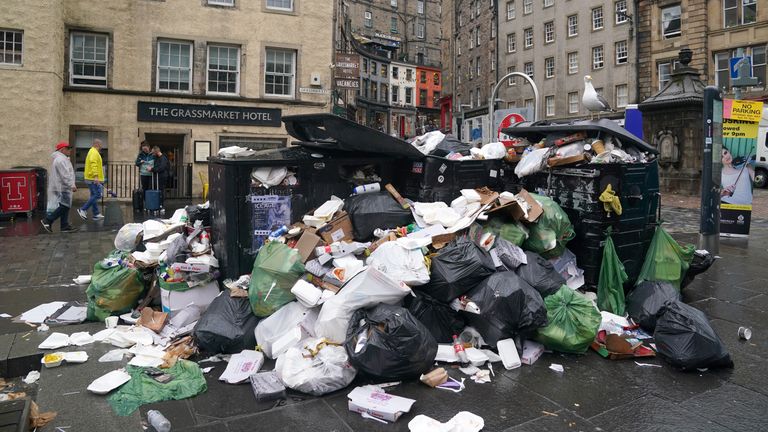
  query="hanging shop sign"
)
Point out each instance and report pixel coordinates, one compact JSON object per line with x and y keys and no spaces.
{"x":208,"y":114}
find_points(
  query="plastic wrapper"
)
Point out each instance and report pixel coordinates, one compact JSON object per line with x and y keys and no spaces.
{"x":316,"y":367}
{"x":451,"y":145}
{"x":441,"y":321}
{"x":276,"y":269}
{"x":510,"y":255}
{"x":368,"y":288}
{"x":666,"y":259}
{"x":197,"y":213}
{"x":512,"y":232}
{"x":113,"y":289}
{"x":552,"y":230}
{"x":494,"y":150}
{"x":400,"y":264}
{"x":456,"y":269}
{"x":388,"y":342}
{"x":129,"y":237}
{"x":573,"y":322}
{"x":508,"y":307}
{"x":291,"y":317}
{"x":610,"y":285}
{"x":532,"y":162}
{"x":702,"y":261}
{"x":646,"y":299}
{"x":226,"y":326}
{"x":540,"y":274}
{"x":375,"y":210}
{"x":686,"y":340}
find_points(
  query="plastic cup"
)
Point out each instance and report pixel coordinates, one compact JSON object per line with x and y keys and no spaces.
{"x":111,"y":322}
{"x":745,"y":333}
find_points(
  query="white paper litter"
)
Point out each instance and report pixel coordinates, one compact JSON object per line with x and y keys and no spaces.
{"x":241,"y":366}
{"x":81,"y":338}
{"x":74,"y":314}
{"x":113,"y":355}
{"x":5,"y":315}
{"x":76,"y":357}
{"x":32,"y":377}
{"x":557,"y":367}
{"x":82,"y":279}
{"x":38,"y":314}
{"x":464,"y":421}
{"x":108,"y":382}
{"x":55,"y":341}
{"x":445,"y":353}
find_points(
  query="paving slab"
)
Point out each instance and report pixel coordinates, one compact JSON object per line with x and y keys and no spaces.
{"x":560,"y":421}
{"x":6,"y":342}
{"x":738,"y":408}
{"x":313,"y":415}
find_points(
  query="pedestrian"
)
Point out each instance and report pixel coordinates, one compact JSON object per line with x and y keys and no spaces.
{"x":61,"y":185}
{"x":94,"y":177}
{"x":145,"y":160}
{"x":160,"y":171}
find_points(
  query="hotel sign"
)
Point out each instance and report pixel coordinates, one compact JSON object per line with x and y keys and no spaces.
{"x":208,"y":114}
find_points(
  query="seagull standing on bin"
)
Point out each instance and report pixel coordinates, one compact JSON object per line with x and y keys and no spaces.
{"x":592,"y":101}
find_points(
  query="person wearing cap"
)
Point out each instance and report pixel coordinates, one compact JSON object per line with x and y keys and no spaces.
{"x":61,"y":185}
{"x":94,"y":177}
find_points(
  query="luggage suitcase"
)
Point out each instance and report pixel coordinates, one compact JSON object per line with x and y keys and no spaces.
{"x":138,"y":200}
{"x":152,"y":197}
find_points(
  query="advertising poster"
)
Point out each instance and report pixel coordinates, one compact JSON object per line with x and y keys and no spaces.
{"x":740,"y":127}
{"x":270,"y":212}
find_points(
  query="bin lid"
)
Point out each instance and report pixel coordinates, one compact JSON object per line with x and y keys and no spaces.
{"x":330,"y":130}
{"x":284,"y":155}
{"x":534,"y":132}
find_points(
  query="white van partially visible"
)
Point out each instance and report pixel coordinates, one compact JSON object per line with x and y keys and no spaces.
{"x":761,"y":159}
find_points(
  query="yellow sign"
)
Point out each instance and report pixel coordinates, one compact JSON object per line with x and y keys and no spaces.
{"x":749,"y":111}
{"x":739,"y":129}
{"x":725,"y":206}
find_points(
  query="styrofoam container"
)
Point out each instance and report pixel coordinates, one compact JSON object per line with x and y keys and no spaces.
{"x":508,"y":353}
{"x":476,"y":357}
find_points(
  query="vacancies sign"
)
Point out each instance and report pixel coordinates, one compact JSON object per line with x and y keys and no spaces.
{"x":207,"y":114}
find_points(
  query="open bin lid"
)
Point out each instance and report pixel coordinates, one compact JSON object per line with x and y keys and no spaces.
{"x":333,"y":132}
{"x":534,"y":132}
{"x":292,"y":154}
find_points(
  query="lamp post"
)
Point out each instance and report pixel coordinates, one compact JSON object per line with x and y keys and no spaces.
{"x":492,"y":99}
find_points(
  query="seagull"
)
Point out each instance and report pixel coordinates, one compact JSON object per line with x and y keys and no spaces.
{"x":593,"y":101}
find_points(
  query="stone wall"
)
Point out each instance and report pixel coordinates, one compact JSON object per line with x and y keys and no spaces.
{"x":684,"y":176}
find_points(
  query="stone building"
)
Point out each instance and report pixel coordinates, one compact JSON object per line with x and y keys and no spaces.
{"x":558,"y":43}
{"x":188,"y":76}
{"x":402,"y":81}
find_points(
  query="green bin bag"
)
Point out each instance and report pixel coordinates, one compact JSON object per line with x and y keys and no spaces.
{"x":666,"y":259}
{"x":550,"y":233}
{"x":170,"y":286}
{"x":276,"y":269}
{"x":573,"y":322}
{"x":142,"y":389}
{"x":610,"y":285}
{"x":509,"y":231}
{"x":113,"y":290}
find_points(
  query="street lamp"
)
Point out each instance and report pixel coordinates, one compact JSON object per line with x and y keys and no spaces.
{"x":492,"y":99}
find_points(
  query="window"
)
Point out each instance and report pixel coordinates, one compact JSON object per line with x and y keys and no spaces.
{"x":477,"y":67}
{"x":471,"y":69}
{"x":408,"y":95}
{"x":385,"y":93}
{"x":722,"y":71}
{"x":510,"y":10}
{"x":549,"y":105}
{"x":597,"y":18}
{"x":374,"y":68}
{"x":458,"y":74}
{"x":477,"y":36}
{"x":620,"y":10}
{"x":87,"y":59}
{"x":549,"y":32}
{"x":528,"y":37}
{"x":393,"y":3}
{"x":423,"y":97}
{"x":436,"y":78}
{"x":461,"y":19}
{"x":458,"y":46}
{"x":527,"y":7}
{"x":670,"y":21}
{"x":409,"y":74}
{"x":573,"y":103}
{"x":511,"y":43}
{"x":251,"y":142}
{"x":759,"y":63}
{"x":393,"y":24}
{"x":420,"y":30}
{"x":734,"y":15}
{"x":367,"y":19}
{"x":665,"y":71}
{"x":477,"y":8}
{"x":280,"y":72}
{"x":223,"y":72}
{"x":436,"y":98}
{"x":529,"y":105}
{"x":471,"y":99}
{"x":622,"y":54}
{"x":423,"y":76}
{"x":365,"y":65}
{"x":528,"y":69}
{"x":722,"y":68}
{"x":573,"y":25}
{"x":174,"y":66}
{"x":493,"y":60}
{"x":11,"y":46}
{"x":420,"y":7}
{"x":573,"y":63}
{"x":511,"y":81}
{"x":478,"y":98}
{"x":548,"y":3}
{"x":366,"y":88}
{"x":549,"y":67}
{"x":374,"y":90}
{"x":285,"y":5}
{"x":598,"y":57}
{"x":223,"y":2}
{"x":83,"y":141}
{"x":395,"y":72}
{"x":395,"y":94}
{"x":493,"y":29}
{"x":622,"y":96}
{"x":384,"y":68}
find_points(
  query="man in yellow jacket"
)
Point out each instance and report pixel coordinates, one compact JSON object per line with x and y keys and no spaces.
{"x":94,"y":177}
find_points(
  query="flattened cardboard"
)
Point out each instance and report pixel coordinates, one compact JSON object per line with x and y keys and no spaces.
{"x":307,"y":243}
{"x":514,"y":210}
{"x":338,"y":229}
{"x":557,"y":161}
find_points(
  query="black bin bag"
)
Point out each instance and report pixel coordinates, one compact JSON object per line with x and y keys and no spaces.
{"x":685,"y":339}
{"x":702,"y":261}
{"x":441,"y":321}
{"x":509,"y":307}
{"x":227,"y":326}
{"x":456,"y":269}
{"x":646,"y":299}
{"x":398,"y":346}
{"x":540,"y":274}
{"x":375,"y":210}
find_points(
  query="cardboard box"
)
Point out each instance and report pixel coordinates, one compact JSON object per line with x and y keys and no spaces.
{"x":514,"y":210}
{"x":191,"y":268}
{"x":338,"y":229}
{"x":307,"y":243}
{"x":557,"y":161}
{"x":202,"y":296}
{"x":531,"y":352}
{"x":378,"y":404}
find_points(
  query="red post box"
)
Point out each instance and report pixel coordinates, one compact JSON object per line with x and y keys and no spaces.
{"x":18,"y":191}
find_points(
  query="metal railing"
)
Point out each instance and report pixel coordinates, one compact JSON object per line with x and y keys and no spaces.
{"x":123,"y":179}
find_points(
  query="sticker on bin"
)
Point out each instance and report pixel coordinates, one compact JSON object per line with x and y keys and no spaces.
{"x":493,"y":173}
{"x":337,"y":235}
{"x":440,"y":179}
{"x":417,"y":168}
{"x":442,"y":169}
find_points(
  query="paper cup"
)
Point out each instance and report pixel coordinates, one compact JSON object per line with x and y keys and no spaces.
{"x":745,"y":333}
{"x":111,"y":322}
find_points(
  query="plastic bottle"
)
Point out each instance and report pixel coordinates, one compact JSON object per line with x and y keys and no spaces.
{"x":278,"y":232}
{"x":158,"y":421}
{"x":458,"y":348}
{"x":367,"y":188}
{"x":340,"y":249}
